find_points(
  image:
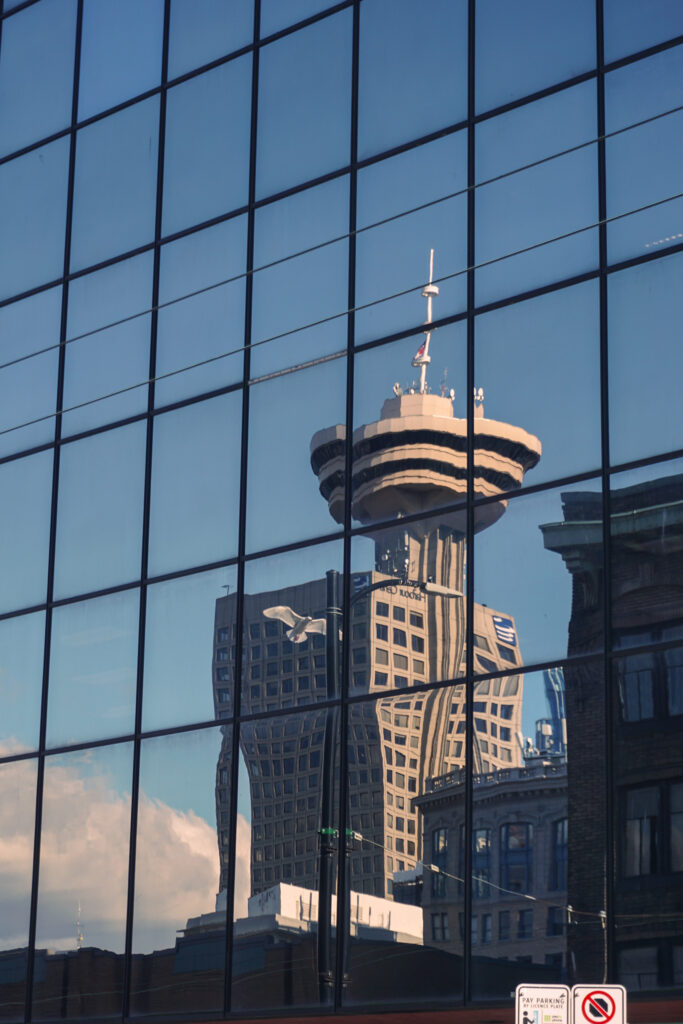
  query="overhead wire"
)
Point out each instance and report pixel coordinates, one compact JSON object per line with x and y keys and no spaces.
{"x":343,"y":237}
{"x":327,"y":319}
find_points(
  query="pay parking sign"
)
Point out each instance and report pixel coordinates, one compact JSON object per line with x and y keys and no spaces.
{"x":542,"y":1004}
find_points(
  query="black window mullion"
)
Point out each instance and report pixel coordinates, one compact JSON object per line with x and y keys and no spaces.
{"x":469,"y":549}
{"x":242,"y":529}
{"x":53,"y":523}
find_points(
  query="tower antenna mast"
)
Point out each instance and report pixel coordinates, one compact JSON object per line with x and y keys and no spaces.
{"x":422,"y":358}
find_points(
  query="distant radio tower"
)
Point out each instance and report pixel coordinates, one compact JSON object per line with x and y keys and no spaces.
{"x":422,"y":357}
{"x":79,"y":933}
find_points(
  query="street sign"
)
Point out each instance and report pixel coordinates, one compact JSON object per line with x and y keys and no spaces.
{"x":542,"y":1004}
{"x":599,"y":1004}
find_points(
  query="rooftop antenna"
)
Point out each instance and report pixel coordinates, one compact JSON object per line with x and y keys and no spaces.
{"x":422,"y":357}
{"x":79,"y":932}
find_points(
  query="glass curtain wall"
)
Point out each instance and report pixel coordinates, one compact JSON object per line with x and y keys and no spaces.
{"x":341,"y":476}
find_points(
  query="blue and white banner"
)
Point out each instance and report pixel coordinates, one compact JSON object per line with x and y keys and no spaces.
{"x":360,"y":580}
{"x":505,"y":630}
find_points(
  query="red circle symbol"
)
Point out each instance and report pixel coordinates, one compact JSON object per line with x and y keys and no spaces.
{"x":598,"y":1007}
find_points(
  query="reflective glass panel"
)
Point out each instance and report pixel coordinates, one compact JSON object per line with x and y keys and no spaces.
{"x":195,"y":500}
{"x":398,"y":100}
{"x":525,"y":830}
{"x":18,"y":788}
{"x":114,"y":358}
{"x":409,"y":446}
{"x":206,"y":325}
{"x":202,"y":30}
{"x":304,"y":80}
{"x":304,"y":289}
{"x":645,"y":309}
{"x":115,"y":185}
{"x":529,"y":208}
{"x":21,"y":673}
{"x":287,"y":793}
{"x":188,"y":676}
{"x":83,"y":884}
{"x":630,"y":26}
{"x":179,"y":913}
{"x":25,"y":530}
{"x":36,"y":73}
{"x":33,"y":217}
{"x":284,"y":416}
{"x":206,"y":163}
{"x":99,"y":512}
{"x":405,"y":898}
{"x":531,"y":44}
{"x":534,"y":609}
{"x":276,"y":15}
{"x":538,"y":363}
{"x":647,"y":576}
{"x":93,"y":669}
{"x":112,"y":29}
{"x":394,"y":257}
{"x":291,"y":603}
{"x":643,"y":163}
{"x":28,"y":389}
{"x":408,"y":613}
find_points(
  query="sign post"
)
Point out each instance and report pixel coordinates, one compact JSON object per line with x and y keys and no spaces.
{"x":599,"y":1004}
{"x":542,"y":1004}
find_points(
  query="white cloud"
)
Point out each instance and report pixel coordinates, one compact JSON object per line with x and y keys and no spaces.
{"x":84,"y":857}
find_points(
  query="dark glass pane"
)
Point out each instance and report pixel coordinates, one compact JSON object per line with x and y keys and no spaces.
{"x":202,"y":30}
{"x":184,"y":672}
{"x":111,"y":358}
{"x":120,"y":52}
{"x":394,"y":257}
{"x":303,"y":289}
{"x":405,"y":899}
{"x":304,"y":79}
{"x":179,"y":914}
{"x":645,"y":308}
{"x":647,"y":577}
{"x":634,"y":176}
{"x":206,"y":325}
{"x":195,"y":500}
{"x":33,"y":216}
{"x":285,"y":414}
{"x":28,"y":390}
{"x":630,"y":26}
{"x":538,"y":363}
{"x":522,"y":833}
{"x":36,"y":73}
{"x":206,"y":165}
{"x":398,"y":100}
{"x":522,"y":210}
{"x":289,"y":607}
{"x":288,"y":779}
{"x":99,"y":514}
{"x":18,"y":788}
{"x":115,"y":185}
{"x":93,"y":669}
{"x":533,"y":610}
{"x":21,"y":674}
{"x":529,"y":45}
{"x":25,"y":530}
{"x":81,"y":923}
{"x":276,"y":15}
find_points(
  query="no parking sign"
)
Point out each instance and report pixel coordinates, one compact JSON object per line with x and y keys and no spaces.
{"x":599,"y":1004}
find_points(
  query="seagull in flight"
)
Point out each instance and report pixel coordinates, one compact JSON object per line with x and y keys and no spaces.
{"x":300,"y":625}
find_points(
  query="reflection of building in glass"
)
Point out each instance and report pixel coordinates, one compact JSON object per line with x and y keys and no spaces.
{"x":646,"y":531}
{"x":519,"y":862}
{"x":408,"y":464}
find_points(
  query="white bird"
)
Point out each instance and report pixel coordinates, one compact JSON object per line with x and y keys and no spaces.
{"x":300,"y":625}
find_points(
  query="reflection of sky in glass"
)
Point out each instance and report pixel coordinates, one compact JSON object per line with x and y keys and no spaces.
{"x":21,"y":672}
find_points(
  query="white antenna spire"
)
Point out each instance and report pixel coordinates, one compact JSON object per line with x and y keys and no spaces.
{"x":422,"y":358}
